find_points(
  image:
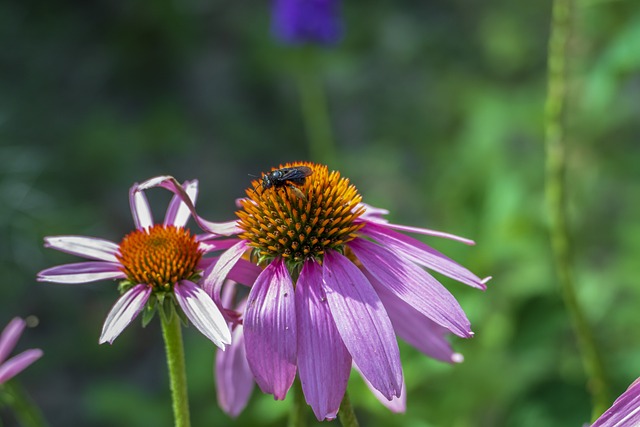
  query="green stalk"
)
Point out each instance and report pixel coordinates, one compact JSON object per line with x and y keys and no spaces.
{"x":556,"y":160}
{"x":346,"y":414}
{"x":297,"y":418}
{"x":172,"y":334}
{"x":26,"y":411}
{"x":315,"y":110}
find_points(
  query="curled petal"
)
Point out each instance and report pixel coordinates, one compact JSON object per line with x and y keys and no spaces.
{"x":10,"y":335}
{"x":216,"y":274}
{"x":397,"y":404}
{"x":170,"y":183}
{"x":363,"y":323}
{"x":128,"y":306}
{"x":270,"y":330}
{"x":324,"y":363}
{"x":140,"y":208}
{"x":625,"y":411}
{"x":234,"y":379}
{"x":178,"y":212}
{"x":16,"y":364}
{"x":86,"y":247}
{"x":421,"y":254}
{"x":413,"y":285}
{"x":82,"y":272}
{"x":203,"y":312}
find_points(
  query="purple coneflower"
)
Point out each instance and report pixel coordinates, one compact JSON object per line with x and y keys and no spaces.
{"x":307,"y":21}
{"x":339,"y":282}
{"x":625,"y":411}
{"x":159,"y":265}
{"x":8,"y":339}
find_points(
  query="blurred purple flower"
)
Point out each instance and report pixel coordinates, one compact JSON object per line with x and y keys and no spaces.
{"x":8,"y":339}
{"x":625,"y":411}
{"x":307,"y":21}
{"x":339,"y":283}
{"x":160,"y":260}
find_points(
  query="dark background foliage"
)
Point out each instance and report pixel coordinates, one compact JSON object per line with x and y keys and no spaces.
{"x":437,"y":114}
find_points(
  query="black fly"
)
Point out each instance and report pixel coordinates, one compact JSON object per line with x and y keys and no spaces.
{"x":287,"y":177}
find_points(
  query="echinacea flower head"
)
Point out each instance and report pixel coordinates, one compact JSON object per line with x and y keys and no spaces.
{"x":339,"y":284}
{"x":159,"y":266}
{"x":307,"y":21}
{"x":8,"y":339}
{"x":625,"y":411}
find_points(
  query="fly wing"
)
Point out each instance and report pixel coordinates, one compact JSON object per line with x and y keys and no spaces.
{"x":295,"y":174}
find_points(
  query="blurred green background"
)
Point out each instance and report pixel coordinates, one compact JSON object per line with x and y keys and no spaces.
{"x":437,"y":114}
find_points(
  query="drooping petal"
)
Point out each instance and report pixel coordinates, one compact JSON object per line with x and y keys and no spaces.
{"x":16,"y":364}
{"x":324,"y":362}
{"x":10,"y":335}
{"x":234,"y":379}
{"x":178,"y":212}
{"x":363,"y":323}
{"x":421,"y":254}
{"x":413,"y":285}
{"x":170,"y":183}
{"x":140,"y":209}
{"x":270,"y":330}
{"x":86,"y":247}
{"x":296,"y":21}
{"x":244,"y":272}
{"x":374,"y":215}
{"x":397,"y":404}
{"x":216,"y":274}
{"x":414,"y":327}
{"x":625,"y":411}
{"x":128,"y":306}
{"x":82,"y":272}
{"x":202,"y":312}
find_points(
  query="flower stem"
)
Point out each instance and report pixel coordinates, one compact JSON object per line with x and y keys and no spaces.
{"x":298,"y":412}
{"x":556,"y":159}
{"x":26,"y":411}
{"x":172,"y":334}
{"x":315,"y":110}
{"x":346,"y":414}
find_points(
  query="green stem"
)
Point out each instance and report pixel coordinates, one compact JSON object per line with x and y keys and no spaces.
{"x":172,"y":333}
{"x":315,"y":110}
{"x":298,"y":412}
{"x":556,"y":159}
{"x":346,"y":414}
{"x":26,"y":411}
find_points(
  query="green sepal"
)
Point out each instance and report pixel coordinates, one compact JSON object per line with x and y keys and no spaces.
{"x":168,"y":307}
{"x":149,"y":311}
{"x":124,"y":286}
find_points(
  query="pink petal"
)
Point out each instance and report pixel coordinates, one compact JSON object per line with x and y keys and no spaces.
{"x":16,"y":364}
{"x":397,"y":404}
{"x":363,"y":323}
{"x":234,"y":379}
{"x":245,"y":272}
{"x":10,"y":336}
{"x":216,"y":274}
{"x":373,"y":213}
{"x":82,"y":272}
{"x":415,"y":328}
{"x":625,"y":411}
{"x":270,"y":330}
{"x":413,"y":285}
{"x":140,"y":208}
{"x":202,"y":312}
{"x":128,"y":306}
{"x":170,"y":183}
{"x":324,"y":363}
{"x":178,"y":212}
{"x":421,"y":254}
{"x":86,"y":247}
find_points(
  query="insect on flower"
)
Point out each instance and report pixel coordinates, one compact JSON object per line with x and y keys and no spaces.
{"x":280,"y":178}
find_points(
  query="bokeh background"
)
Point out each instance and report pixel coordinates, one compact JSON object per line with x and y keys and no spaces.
{"x":436,"y":109}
